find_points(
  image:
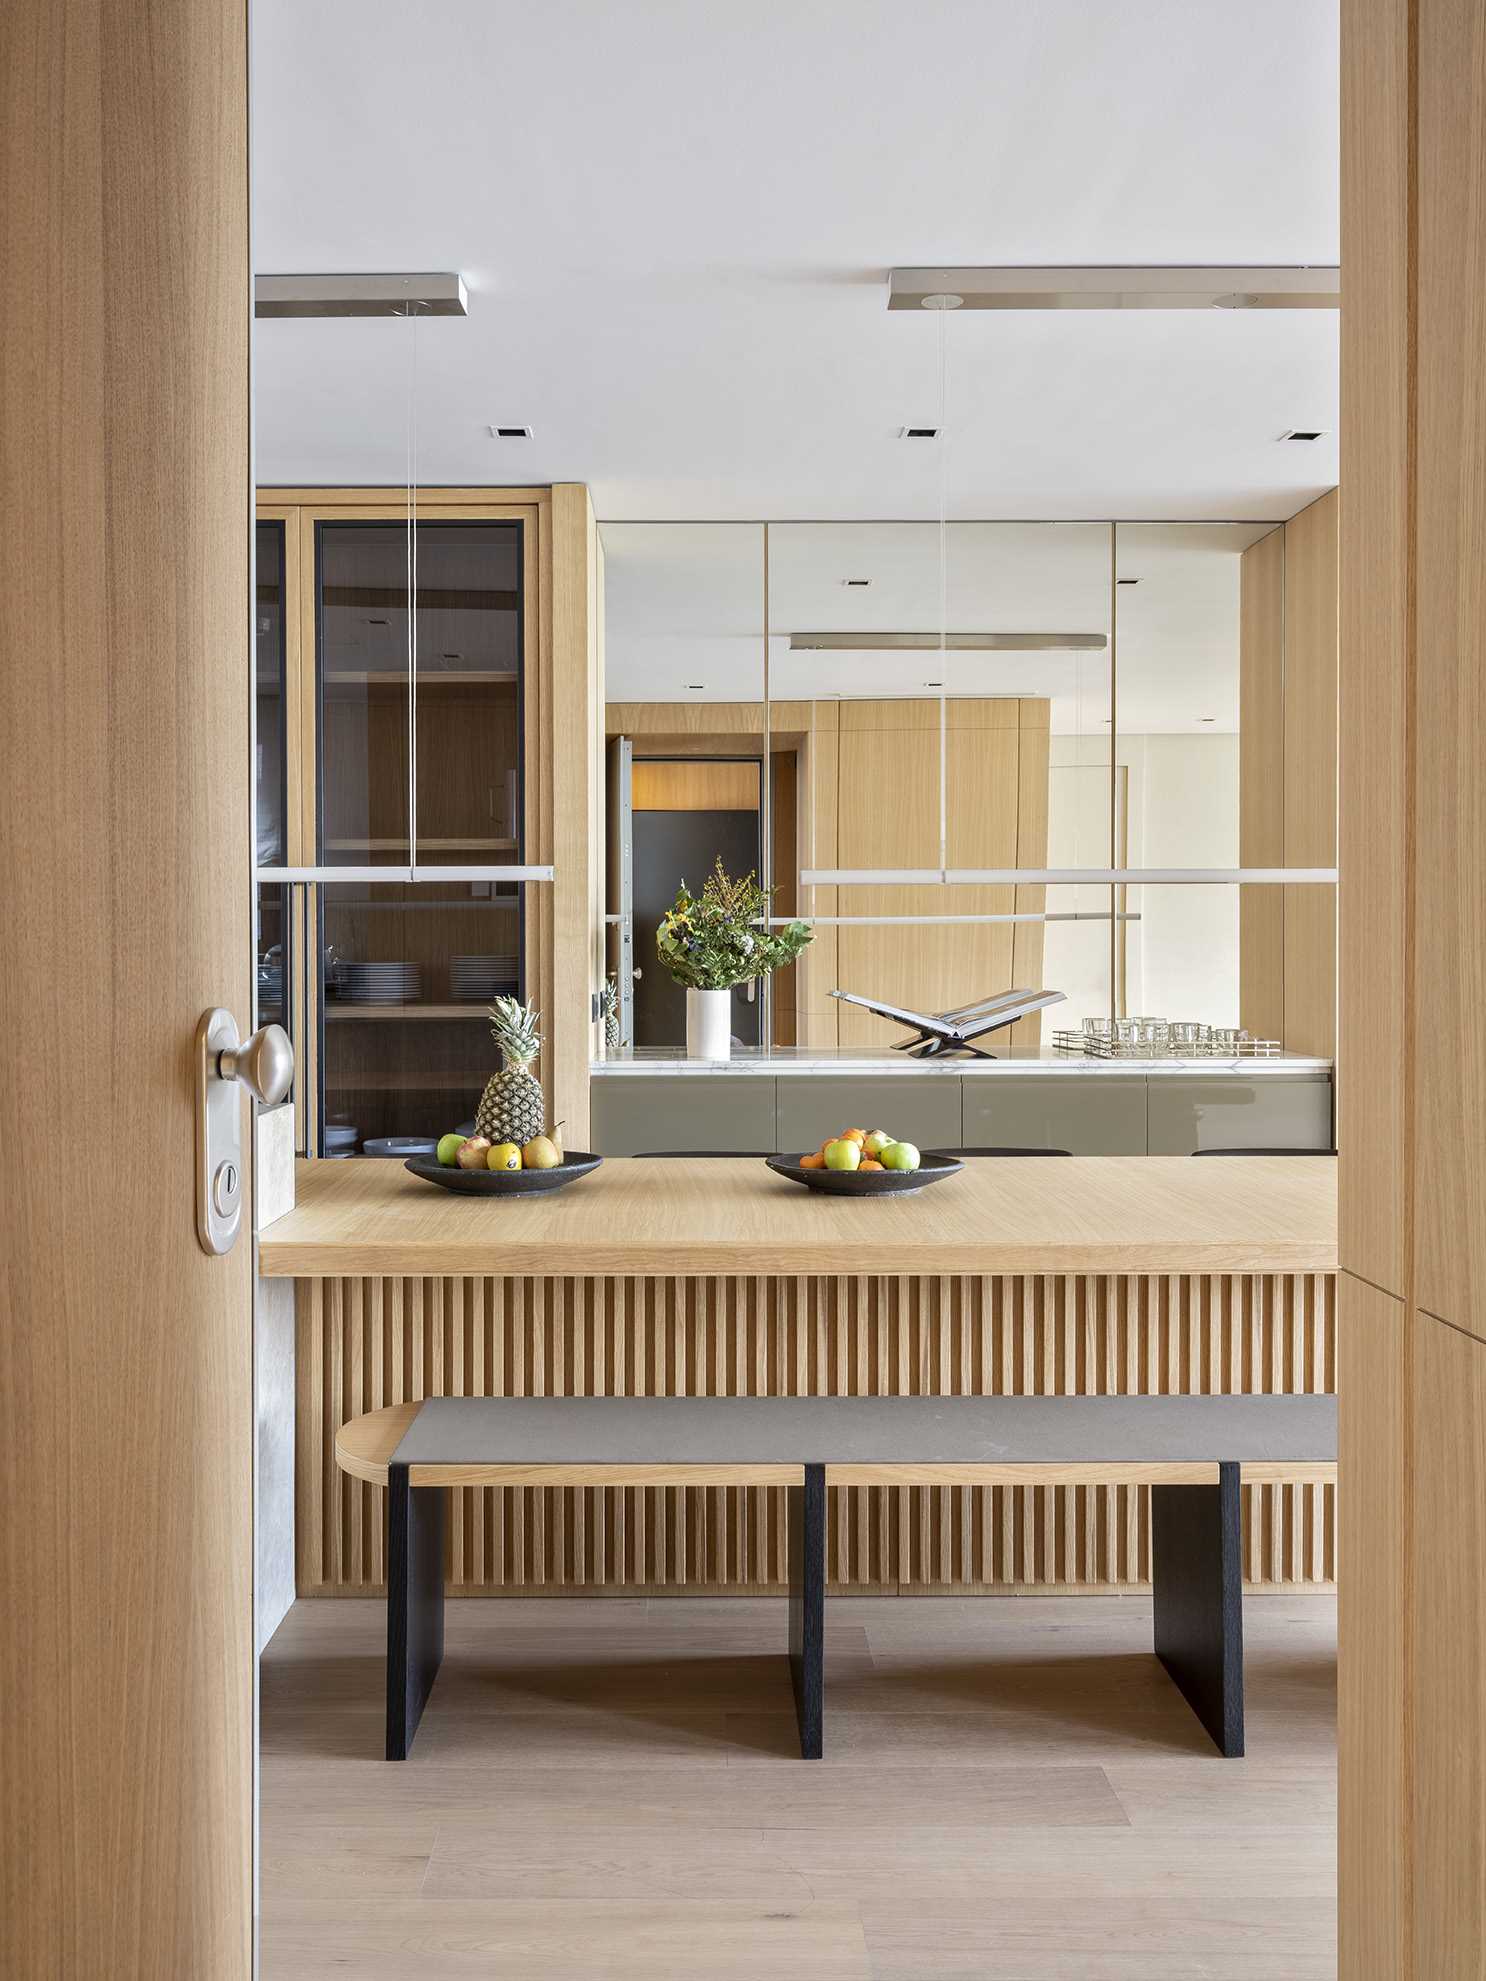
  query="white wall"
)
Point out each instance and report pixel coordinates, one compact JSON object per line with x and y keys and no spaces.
{"x":1181,"y":794}
{"x":1182,"y":960}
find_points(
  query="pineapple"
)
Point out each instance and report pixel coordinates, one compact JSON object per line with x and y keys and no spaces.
{"x":512,"y":1108}
{"x":609,"y":1008}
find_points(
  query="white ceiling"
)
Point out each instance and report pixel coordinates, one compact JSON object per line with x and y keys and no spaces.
{"x":684,"y":614}
{"x":676,"y":222}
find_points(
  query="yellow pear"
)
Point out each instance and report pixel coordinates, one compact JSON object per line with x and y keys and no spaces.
{"x":505,"y":1155}
{"x":541,"y":1152}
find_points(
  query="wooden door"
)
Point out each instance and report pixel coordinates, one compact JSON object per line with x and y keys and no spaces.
{"x":126,"y":1409}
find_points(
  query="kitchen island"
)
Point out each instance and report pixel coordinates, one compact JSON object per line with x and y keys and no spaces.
{"x":1085,"y":1276}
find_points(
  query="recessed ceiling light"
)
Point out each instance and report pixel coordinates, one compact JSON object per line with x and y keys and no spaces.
{"x":918,"y":433}
{"x":856,"y":584}
{"x":509,"y":432}
{"x":1127,"y":581}
{"x":696,"y":684}
{"x":1304,"y":433}
{"x":1207,"y":718}
{"x":933,"y":684}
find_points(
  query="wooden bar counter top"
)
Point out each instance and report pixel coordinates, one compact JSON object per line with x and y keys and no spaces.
{"x":1095,"y":1214}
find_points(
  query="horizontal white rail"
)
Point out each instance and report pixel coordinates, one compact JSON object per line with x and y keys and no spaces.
{"x":938,"y":921}
{"x":274,"y":876}
{"x":1067,"y":876}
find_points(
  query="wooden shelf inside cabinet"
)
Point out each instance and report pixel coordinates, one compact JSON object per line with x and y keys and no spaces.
{"x":424,"y":846}
{"x":347,"y":679}
{"x":403,"y":1083}
{"x":335,"y":1009}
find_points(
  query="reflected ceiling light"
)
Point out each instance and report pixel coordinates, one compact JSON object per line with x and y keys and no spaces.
{"x":918,"y":433}
{"x":1300,"y":287}
{"x":1304,"y":433}
{"x":359,"y":295}
{"x":509,"y":432}
{"x":947,"y":642}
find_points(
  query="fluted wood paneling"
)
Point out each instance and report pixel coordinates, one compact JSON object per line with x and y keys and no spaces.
{"x":365,"y":1343}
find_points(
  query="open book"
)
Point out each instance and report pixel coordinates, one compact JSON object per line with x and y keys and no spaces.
{"x":953,"y":1031}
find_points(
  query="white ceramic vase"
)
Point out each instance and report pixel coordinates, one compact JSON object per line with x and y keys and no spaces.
{"x":709,"y":1024}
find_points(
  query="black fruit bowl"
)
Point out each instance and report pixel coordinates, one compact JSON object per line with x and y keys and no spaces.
{"x":504,"y":1182}
{"x":876,"y":1182}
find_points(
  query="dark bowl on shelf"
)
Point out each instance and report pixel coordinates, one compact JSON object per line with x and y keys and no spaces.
{"x":504,"y":1182}
{"x":875,"y":1183}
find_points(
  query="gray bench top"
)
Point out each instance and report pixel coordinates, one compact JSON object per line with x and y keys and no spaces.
{"x":870,"y":1430}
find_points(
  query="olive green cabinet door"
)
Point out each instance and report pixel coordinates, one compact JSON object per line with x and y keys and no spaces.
{"x":1095,"y":1115}
{"x":1230,"y":1112}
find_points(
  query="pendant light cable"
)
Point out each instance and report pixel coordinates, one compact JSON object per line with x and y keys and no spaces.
{"x":943,"y":315}
{"x":412,"y":583}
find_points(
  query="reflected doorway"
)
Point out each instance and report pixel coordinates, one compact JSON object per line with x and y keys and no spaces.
{"x":687,"y":813}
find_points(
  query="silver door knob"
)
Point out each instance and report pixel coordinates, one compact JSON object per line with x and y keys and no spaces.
{"x":264,"y":1063}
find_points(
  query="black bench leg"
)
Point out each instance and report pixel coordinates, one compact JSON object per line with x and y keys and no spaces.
{"x":1197,"y":1562}
{"x":415,"y":1603}
{"x":807,"y":1607}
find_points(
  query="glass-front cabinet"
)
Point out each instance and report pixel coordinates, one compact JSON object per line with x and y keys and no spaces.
{"x":407,"y":972}
{"x":448,"y":673}
{"x":392,"y":738}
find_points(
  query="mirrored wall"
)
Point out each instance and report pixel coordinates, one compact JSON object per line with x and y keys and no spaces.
{"x":898,"y":722}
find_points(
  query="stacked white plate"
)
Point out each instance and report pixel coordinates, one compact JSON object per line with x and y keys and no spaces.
{"x":381,"y":983}
{"x":477,"y":979}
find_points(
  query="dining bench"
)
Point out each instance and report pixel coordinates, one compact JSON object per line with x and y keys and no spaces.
{"x":1193,"y":1452}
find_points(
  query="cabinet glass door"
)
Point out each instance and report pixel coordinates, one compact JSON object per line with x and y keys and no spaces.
{"x":361,"y":645}
{"x":467,"y":651}
{"x":455,"y":685}
{"x":406,"y":975}
{"x":269,"y":693}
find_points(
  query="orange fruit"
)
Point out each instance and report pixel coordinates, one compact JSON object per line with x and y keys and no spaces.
{"x":853,"y":1135}
{"x":817,"y":1161}
{"x":868,"y":1162}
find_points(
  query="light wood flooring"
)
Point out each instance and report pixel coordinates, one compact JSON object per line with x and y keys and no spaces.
{"x":601,"y":1789}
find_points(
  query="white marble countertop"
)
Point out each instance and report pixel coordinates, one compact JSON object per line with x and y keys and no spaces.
{"x":782,"y":1061}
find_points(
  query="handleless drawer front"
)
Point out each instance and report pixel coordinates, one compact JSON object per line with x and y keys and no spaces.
{"x":1103,"y":1115}
{"x":1266,"y":1112}
{"x":634,"y":1116}
{"x":925,"y":1111}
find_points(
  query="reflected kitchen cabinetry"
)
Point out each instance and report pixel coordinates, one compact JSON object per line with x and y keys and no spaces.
{"x":406,"y":788}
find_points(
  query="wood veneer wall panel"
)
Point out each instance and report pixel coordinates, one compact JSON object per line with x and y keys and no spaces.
{"x":366,"y":1343}
{"x":1374,"y":1762}
{"x":1310,"y":748}
{"x":1447,"y":1781}
{"x":1449,"y":789}
{"x":1376,"y":621}
{"x":574,"y":694}
{"x":1261,"y":757}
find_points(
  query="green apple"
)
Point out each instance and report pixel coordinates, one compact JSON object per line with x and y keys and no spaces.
{"x":505,"y":1155}
{"x":876,"y":1142}
{"x":843,"y":1154}
{"x":449,"y":1147}
{"x":899,"y":1155}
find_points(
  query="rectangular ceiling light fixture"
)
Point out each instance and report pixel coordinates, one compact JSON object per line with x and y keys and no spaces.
{"x":359,"y":295}
{"x":1231,"y":288}
{"x":951,"y":642}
